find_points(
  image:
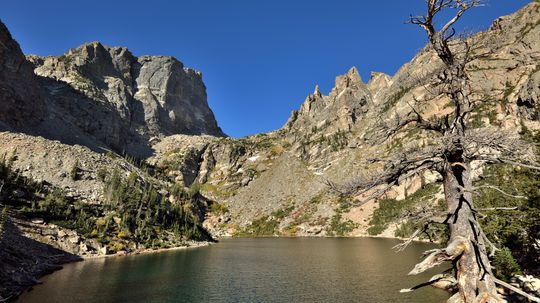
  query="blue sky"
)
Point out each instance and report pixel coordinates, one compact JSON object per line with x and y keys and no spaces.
{"x":259,"y":59}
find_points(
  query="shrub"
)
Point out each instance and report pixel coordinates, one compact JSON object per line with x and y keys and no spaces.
{"x":74,"y":172}
{"x":218,"y":208}
{"x":391,"y":210}
{"x":102,"y":174}
{"x":506,"y":267}
{"x":339,"y":227}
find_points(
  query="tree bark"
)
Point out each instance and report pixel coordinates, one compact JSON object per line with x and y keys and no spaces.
{"x":472,"y":268}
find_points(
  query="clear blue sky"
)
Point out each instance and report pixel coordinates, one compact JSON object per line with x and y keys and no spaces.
{"x":259,"y":59}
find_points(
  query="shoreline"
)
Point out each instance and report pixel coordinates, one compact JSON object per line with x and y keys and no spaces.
{"x":329,"y":237}
{"x":147,"y":251}
{"x":60,"y":265}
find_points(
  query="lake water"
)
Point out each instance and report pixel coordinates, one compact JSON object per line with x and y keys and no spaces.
{"x":247,"y":270}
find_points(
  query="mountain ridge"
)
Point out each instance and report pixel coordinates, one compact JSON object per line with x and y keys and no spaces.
{"x":278,"y":183}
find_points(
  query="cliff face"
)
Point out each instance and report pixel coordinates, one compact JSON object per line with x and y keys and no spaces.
{"x":123,"y":100}
{"x":21,"y":98}
{"x":102,"y":97}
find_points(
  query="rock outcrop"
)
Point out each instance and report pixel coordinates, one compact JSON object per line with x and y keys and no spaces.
{"x":21,"y":99}
{"x":340,"y":110}
{"x":123,"y":100}
{"x":102,"y":97}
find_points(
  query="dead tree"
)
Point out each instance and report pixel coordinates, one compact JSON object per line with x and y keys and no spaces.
{"x":452,"y":151}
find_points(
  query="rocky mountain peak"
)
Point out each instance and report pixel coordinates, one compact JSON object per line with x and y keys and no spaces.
{"x":351,"y":79}
{"x":378,"y":82}
{"x":101,"y":96}
{"x":338,"y":111}
{"x":139,"y":98}
{"x":317,"y":91}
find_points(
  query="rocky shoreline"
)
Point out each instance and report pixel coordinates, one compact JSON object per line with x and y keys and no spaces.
{"x":28,"y":253}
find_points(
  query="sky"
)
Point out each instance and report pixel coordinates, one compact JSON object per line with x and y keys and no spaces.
{"x":259,"y":59}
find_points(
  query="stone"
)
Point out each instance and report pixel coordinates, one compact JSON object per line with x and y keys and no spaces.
{"x":38,"y":221}
{"x":74,"y":239}
{"x":103,"y":250}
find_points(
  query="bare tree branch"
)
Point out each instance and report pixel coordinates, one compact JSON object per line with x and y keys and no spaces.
{"x":497,"y":208}
{"x":516,"y":290}
{"x":442,"y":281}
{"x":501,"y":191}
{"x":438,"y":256}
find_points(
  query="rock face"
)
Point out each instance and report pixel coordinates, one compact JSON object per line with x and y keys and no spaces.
{"x":21,"y":99}
{"x":102,"y":97}
{"x":279,"y":178}
{"x":349,"y":99}
{"x":124,"y":100}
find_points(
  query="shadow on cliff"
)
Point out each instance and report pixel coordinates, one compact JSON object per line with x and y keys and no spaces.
{"x":73,"y":118}
{"x":23,"y":261}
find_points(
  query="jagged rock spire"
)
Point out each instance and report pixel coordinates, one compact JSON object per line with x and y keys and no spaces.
{"x":351,"y":79}
{"x":317,"y":91}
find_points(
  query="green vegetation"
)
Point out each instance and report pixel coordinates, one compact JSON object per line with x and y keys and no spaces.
{"x":317,"y":199}
{"x":218,"y":208}
{"x":101,"y":174}
{"x":300,"y":216}
{"x":392,"y":100}
{"x":485,"y":109}
{"x":74,"y":172}
{"x":219,"y":191}
{"x":517,"y":229}
{"x":266,"y":225}
{"x":3,"y":219}
{"x":337,"y":141}
{"x":509,"y":89}
{"x":338,"y":226}
{"x":390,"y":209}
{"x":136,"y":213}
{"x":506,"y":266}
{"x":263,"y":226}
{"x":68,"y":61}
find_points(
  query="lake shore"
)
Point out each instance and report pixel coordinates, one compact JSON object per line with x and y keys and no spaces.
{"x":189,"y":245}
{"x":32,"y":276}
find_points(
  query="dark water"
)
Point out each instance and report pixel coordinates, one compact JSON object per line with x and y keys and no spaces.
{"x":247,"y":270}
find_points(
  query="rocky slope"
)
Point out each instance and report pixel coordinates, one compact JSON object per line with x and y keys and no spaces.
{"x":278,"y":180}
{"x":60,"y":120}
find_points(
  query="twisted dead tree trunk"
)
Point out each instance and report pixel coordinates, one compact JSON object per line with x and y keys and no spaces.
{"x":467,"y":247}
{"x":452,"y":149}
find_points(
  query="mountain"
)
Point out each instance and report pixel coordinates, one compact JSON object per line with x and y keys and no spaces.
{"x":277,"y":183}
{"x":104,"y":97}
{"x":104,"y":152}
